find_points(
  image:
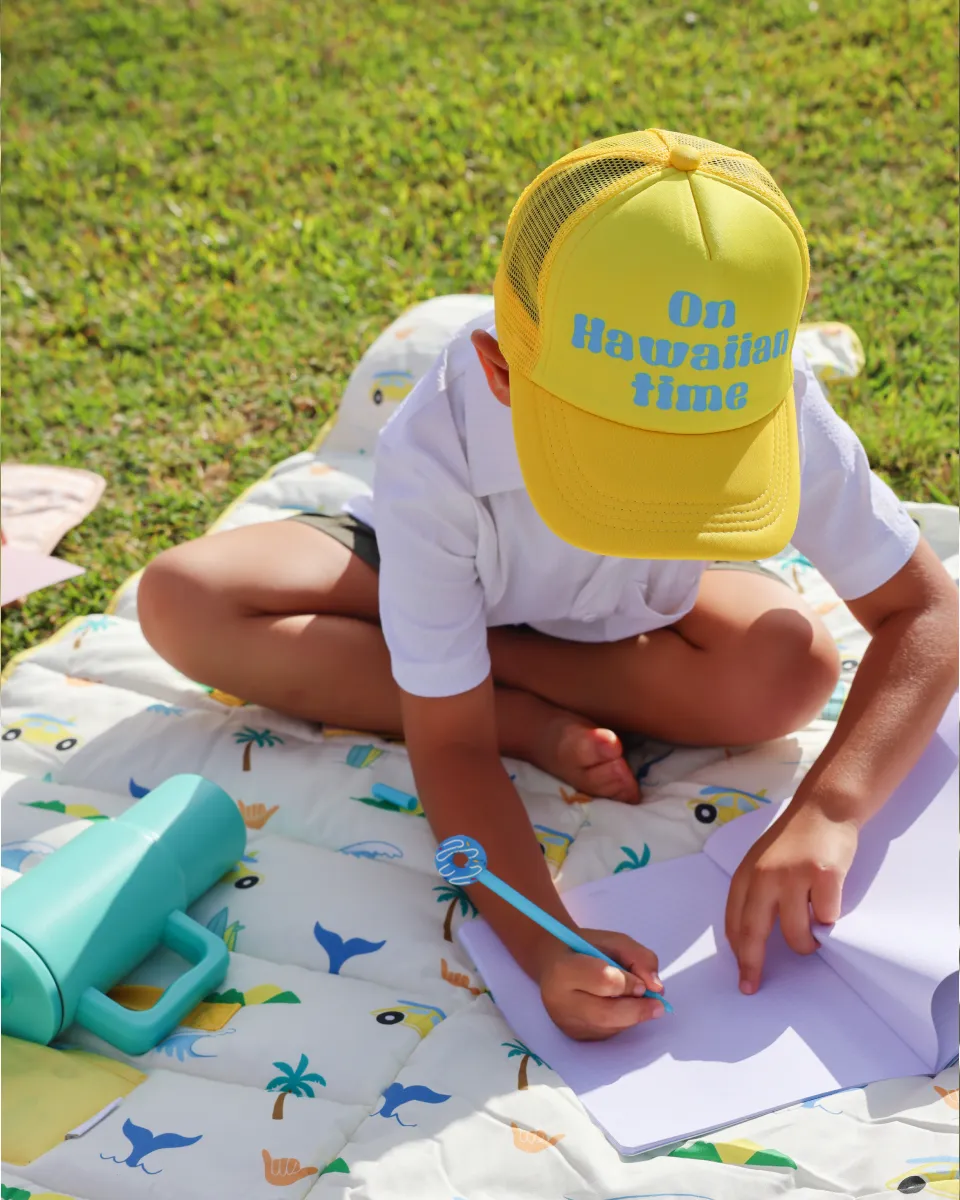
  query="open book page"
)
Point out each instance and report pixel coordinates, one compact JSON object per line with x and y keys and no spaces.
{"x":721,"y":1056}
{"x":946,"y":1020}
{"x":897,"y":941}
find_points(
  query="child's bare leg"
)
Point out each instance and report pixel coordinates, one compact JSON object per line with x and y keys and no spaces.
{"x":285,"y":616}
{"x":288,"y":619}
{"x":750,"y":662}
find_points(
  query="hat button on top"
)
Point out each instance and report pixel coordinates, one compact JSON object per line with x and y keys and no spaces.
{"x":684,"y":158}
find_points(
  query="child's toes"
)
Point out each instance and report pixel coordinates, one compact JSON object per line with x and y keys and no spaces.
{"x":586,"y":758}
{"x":601,"y":745}
{"x":612,"y":781}
{"x":587,"y":746}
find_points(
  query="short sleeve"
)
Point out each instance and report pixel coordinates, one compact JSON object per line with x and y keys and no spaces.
{"x":851,"y":525}
{"x":431,"y":599}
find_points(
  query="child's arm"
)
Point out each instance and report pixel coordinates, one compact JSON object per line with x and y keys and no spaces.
{"x":907,"y":676}
{"x":464,"y":788}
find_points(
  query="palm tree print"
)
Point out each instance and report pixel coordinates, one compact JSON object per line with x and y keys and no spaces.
{"x":293,"y":1083}
{"x":248,"y":738}
{"x":633,"y":860}
{"x":455,"y":895}
{"x":89,"y":625}
{"x":526,"y":1056}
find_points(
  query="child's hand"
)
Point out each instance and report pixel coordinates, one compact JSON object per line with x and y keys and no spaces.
{"x":797,"y":866}
{"x":590,"y":1000}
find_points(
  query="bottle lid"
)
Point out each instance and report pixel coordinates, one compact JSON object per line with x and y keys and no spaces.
{"x":31,"y":1007}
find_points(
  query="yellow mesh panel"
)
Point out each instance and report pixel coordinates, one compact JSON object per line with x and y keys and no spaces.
{"x":569,"y":190}
{"x":642,"y":141}
{"x":558,"y":199}
{"x":697,"y":143}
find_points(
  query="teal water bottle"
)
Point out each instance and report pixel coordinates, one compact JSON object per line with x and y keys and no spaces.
{"x":83,"y":918}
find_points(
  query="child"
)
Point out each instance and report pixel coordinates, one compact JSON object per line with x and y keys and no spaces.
{"x":568,"y":510}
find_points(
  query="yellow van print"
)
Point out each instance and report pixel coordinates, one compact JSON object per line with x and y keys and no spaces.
{"x":391,"y":386}
{"x":554,"y":844}
{"x":421,"y":1017}
{"x":40,"y":729}
{"x":722,"y":804}
{"x":244,"y":874}
{"x":929,"y":1177}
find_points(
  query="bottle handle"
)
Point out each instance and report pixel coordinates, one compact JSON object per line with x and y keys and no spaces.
{"x":137,"y":1032}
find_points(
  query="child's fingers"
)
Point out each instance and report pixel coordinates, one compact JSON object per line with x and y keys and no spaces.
{"x":637,"y":959}
{"x":585,"y":974}
{"x":826,"y":896}
{"x":795,"y":920}
{"x":595,"y":1017}
{"x":756,"y":924}
{"x":590,"y":999}
{"x":734,"y":913}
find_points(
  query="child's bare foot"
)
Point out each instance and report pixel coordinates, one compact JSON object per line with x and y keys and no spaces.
{"x":590,"y":759}
{"x":572,"y":748}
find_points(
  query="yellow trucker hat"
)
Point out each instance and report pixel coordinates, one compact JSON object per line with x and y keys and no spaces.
{"x":647,"y":299}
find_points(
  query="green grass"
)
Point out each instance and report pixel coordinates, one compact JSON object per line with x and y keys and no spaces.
{"x":210,"y":207}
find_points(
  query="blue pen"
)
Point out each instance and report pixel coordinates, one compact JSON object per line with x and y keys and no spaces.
{"x":474,"y":870}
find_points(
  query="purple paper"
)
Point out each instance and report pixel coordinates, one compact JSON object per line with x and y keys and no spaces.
{"x":817,"y":1024}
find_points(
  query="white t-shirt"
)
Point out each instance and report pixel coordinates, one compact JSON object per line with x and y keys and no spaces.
{"x":462,"y":547}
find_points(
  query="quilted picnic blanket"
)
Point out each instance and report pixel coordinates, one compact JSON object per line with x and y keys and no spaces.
{"x":352,"y":1050}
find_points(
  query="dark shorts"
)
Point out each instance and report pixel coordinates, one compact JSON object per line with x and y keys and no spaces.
{"x":355,"y":535}
{"x":362,"y":541}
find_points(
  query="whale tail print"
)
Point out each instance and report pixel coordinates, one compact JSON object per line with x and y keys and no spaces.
{"x":143,"y":1142}
{"x":396,"y":1094}
{"x":338,"y":950}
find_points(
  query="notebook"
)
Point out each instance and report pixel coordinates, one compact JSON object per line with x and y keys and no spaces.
{"x":879,"y":998}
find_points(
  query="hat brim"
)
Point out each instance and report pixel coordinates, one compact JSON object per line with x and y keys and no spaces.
{"x":615,"y":490}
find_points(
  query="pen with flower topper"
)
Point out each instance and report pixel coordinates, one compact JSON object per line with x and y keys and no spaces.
{"x":472,"y":868}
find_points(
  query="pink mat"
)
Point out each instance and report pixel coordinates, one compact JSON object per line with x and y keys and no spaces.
{"x":39,"y":504}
